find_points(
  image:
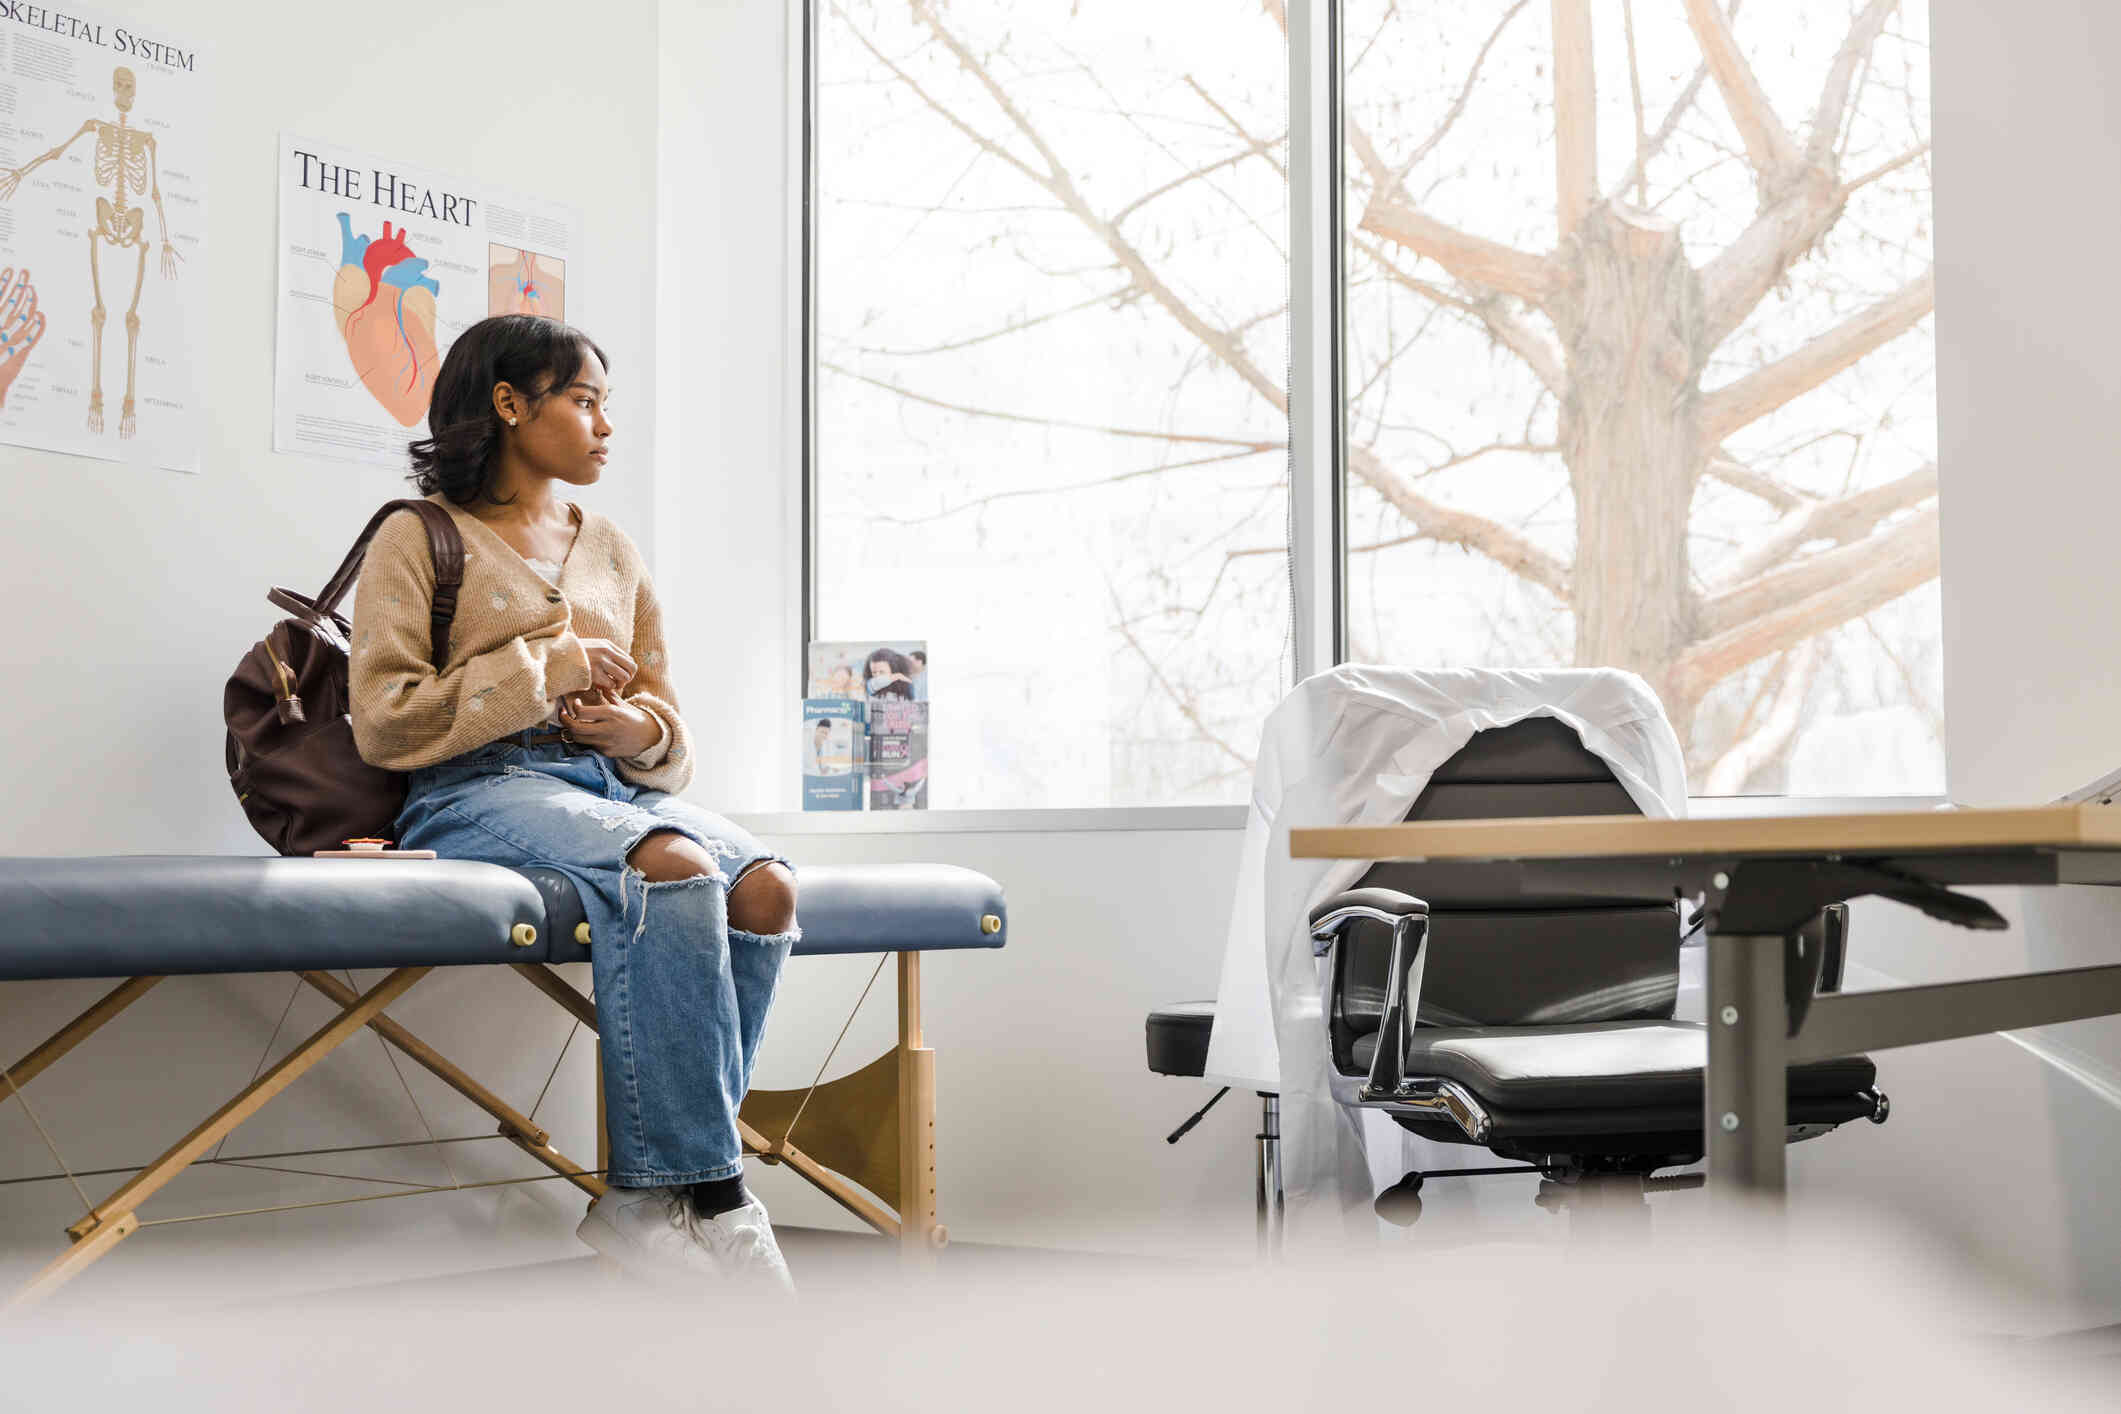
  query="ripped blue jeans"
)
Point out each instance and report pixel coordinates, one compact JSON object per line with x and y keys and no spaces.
{"x":681,"y":996}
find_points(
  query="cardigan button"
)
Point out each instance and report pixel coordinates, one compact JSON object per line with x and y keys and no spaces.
{"x":552,"y":598}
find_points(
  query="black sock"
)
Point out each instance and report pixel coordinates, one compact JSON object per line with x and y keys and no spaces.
{"x":719,"y":1196}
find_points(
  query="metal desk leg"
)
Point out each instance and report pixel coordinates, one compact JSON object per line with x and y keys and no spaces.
{"x":1747,"y":1104}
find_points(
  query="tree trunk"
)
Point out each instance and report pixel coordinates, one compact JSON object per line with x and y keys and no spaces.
{"x":1634,"y":339}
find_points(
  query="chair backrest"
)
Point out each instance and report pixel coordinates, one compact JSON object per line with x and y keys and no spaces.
{"x":1497,"y":955}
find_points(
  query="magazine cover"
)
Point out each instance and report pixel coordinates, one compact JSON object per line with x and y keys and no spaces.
{"x":834,"y":743}
{"x":898,"y":754}
{"x":870,"y":668}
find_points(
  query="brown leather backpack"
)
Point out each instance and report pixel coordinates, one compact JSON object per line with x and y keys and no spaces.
{"x":291,"y":755}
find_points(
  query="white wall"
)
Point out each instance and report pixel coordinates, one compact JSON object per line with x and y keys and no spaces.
{"x":727,"y":506}
{"x":2027,"y":143}
{"x":137,"y":593}
{"x":1050,"y":1129}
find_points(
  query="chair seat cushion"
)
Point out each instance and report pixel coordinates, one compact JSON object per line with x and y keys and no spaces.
{"x":1608,"y":1065}
{"x":1178,"y":1038}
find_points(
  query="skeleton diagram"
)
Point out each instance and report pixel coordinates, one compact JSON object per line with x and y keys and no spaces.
{"x":125,"y":163}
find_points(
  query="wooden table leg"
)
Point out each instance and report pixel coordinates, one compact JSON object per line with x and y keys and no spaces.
{"x":116,"y":1217}
{"x":80,"y":1028}
{"x":919,"y":1233}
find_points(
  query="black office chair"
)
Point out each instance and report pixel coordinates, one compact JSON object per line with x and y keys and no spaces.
{"x":1177,"y":1037}
{"x":1542,"y":1024}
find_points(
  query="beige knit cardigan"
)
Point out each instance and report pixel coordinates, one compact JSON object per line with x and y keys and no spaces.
{"x":513,"y":645}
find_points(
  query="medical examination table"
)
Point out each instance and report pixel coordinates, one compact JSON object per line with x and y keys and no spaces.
{"x":146,"y":917}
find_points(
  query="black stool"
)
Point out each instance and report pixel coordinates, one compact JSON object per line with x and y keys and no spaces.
{"x":1178,"y":1045}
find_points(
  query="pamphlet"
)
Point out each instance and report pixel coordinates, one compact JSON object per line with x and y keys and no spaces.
{"x":870,"y":668}
{"x":898,"y":754}
{"x":885,"y":684}
{"x":834,"y":743}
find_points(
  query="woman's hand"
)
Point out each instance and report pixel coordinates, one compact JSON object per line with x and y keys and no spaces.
{"x":609,"y":723}
{"x":610,"y":668}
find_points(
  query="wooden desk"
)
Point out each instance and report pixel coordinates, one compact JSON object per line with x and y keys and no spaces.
{"x":1763,"y":878}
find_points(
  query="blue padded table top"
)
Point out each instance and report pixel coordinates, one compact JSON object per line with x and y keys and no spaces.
{"x":131,"y":914}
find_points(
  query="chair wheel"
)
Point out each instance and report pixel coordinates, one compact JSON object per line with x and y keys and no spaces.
{"x":1400,"y":1204}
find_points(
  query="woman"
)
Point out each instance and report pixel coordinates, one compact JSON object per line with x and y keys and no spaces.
{"x":551,"y":736}
{"x":890,"y":674}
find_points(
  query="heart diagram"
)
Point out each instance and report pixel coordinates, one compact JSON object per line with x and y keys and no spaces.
{"x":384,"y":305}
{"x":525,"y":282}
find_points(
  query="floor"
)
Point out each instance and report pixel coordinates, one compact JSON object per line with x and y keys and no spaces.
{"x":1741,"y":1317}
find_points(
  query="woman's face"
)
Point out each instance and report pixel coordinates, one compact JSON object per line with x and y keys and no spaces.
{"x":562,"y":435}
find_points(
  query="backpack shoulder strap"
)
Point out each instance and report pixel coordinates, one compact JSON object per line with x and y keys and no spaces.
{"x":444,"y":542}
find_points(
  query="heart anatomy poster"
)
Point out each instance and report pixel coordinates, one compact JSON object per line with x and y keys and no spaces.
{"x":382,"y":264}
{"x":103,"y":156}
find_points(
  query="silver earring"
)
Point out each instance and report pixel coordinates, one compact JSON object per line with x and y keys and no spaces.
{"x":511,"y":422}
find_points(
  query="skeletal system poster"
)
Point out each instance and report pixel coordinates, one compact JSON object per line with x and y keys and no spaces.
{"x":382,"y":265}
{"x":103,"y":159}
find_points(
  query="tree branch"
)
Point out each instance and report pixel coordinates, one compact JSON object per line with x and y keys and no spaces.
{"x":1147,"y":434}
{"x":1870,"y":575}
{"x":1747,"y":399}
{"x":1489,"y":265}
{"x":1801,"y":199}
{"x":1739,"y":276}
{"x":1748,"y":611}
{"x":1255,"y":149}
{"x":1138,"y":474}
{"x":1747,"y":755}
{"x":1736,"y":474}
{"x":1503,"y":324}
{"x":1112,"y":297}
{"x":1883,"y":168}
{"x":1843,"y":520}
{"x":1639,"y":168}
{"x":1642,"y":134}
{"x":1185,"y":706}
{"x":1767,"y":143}
{"x":971,"y":133}
{"x":1458,"y":104}
{"x":1832,"y":107}
{"x":1060,"y":185}
{"x":1462,"y":528}
{"x":1575,"y":116}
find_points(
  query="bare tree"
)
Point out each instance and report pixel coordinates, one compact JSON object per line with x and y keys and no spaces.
{"x":1621,"y":332}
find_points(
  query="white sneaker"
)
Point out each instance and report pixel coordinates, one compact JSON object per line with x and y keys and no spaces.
{"x":742,"y":1245}
{"x":649,"y":1232}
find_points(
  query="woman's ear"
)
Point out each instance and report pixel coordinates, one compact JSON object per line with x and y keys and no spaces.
{"x":506,"y":405}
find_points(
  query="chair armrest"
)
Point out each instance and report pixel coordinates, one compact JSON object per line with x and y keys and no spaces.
{"x":1811,"y":961}
{"x":1386,"y":906}
{"x":1833,"y":934}
{"x":1408,"y":918}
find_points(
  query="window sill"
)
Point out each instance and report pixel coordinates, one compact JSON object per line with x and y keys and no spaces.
{"x":1151,"y":818}
{"x":943,"y":822}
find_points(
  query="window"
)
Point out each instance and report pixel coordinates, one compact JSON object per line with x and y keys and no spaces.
{"x":1640,"y":367}
{"x":1049,"y":335}
{"x":1637,"y":361}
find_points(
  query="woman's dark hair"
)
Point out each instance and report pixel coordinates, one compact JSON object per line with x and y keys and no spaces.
{"x":532,"y":354}
{"x":898,"y":663}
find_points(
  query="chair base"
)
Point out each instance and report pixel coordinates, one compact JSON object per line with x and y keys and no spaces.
{"x":1639,"y":1139}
